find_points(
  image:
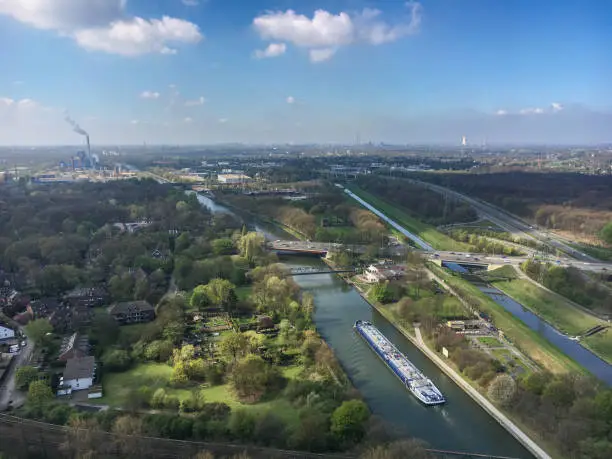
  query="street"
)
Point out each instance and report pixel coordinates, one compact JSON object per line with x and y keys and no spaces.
{"x":8,"y":391}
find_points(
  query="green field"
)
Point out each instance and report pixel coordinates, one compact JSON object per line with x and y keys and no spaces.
{"x":554,"y":310}
{"x":536,"y":347}
{"x":243,"y":293}
{"x":488,"y":341}
{"x":118,"y":388}
{"x":428,"y":233}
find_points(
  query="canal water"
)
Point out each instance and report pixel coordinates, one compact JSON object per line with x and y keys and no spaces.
{"x":598,"y":367}
{"x":459,"y":425}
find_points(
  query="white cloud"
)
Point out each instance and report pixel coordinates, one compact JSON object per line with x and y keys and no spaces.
{"x":321,"y":55}
{"x":149,"y":95}
{"x":188,"y":120}
{"x":139,"y":36}
{"x":190,"y":2}
{"x":64,"y":15}
{"x":27,"y":103}
{"x":531,"y":111}
{"x":501,"y":112}
{"x":273,"y":50}
{"x":5,"y":101}
{"x":290,"y":100}
{"x":135,"y":122}
{"x":223,"y":120}
{"x":325,"y":32}
{"x":556,"y":107}
{"x":195,"y":102}
{"x":22,"y":104}
{"x":102,"y":25}
{"x":18,"y":83}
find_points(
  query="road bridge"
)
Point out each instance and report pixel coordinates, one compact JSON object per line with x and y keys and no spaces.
{"x":312,"y":271}
{"x":314,"y":248}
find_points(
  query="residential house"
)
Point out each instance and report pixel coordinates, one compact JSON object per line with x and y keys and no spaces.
{"x":132,"y":312}
{"x":79,"y":374}
{"x":6,"y":333}
{"x":61,"y":314}
{"x":87,"y":296}
{"x":74,"y":346}
{"x":383,"y":272}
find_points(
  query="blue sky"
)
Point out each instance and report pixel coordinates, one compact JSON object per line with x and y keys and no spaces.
{"x":195,"y":72}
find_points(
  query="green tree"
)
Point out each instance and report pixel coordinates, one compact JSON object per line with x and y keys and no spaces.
{"x":38,"y":330}
{"x":234,"y":345}
{"x":116,"y":360}
{"x":199,"y":298}
{"x":251,"y":378}
{"x":24,"y":376}
{"x":502,"y":389}
{"x":349,"y":419}
{"x":222,"y":246}
{"x":39,"y":393}
{"x":606,"y":233}
{"x":252,"y":245}
{"x":221,"y":292}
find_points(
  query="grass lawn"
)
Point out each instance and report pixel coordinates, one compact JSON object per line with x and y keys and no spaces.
{"x":428,"y":233}
{"x":600,"y":344}
{"x":489,"y":341}
{"x":118,"y":387}
{"x":536,"y":347}
{"x":560,"y":314}
{"x":132,"y":333}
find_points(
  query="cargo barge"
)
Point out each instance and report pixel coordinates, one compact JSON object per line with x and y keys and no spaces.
{"x":418,"y":384}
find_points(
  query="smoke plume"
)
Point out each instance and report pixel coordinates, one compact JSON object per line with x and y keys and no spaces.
{"x":75,"y":126}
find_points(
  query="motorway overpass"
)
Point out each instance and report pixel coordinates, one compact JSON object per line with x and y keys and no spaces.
{"x":322,"y":248}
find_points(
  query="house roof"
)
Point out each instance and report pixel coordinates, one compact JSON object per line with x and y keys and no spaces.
{"x":75,"y":341}
{"x":86,"y":292}
{"x":131,"y":306}
{"x":79,"y":368}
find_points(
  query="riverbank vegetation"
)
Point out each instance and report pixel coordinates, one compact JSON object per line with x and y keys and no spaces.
{"x":572,"y":284}
{"x":428,"y":233}
{"x":568,"y":411}
{"x":324,"y":215}
{"x":485,"y":244}
{"x":536,"y":347}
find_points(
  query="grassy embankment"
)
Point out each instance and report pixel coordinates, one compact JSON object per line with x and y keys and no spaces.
{"x":428,"y":233}
{"x":536,"y":347}
{"x":560,"y":314}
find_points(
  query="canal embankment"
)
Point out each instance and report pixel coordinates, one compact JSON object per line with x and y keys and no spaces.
{"x":485,"y":404}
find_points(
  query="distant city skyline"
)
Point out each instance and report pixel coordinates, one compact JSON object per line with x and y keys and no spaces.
{"x":182,"y":72}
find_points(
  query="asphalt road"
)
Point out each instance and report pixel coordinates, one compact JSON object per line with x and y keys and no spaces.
{"x":510,"y":223}
{"x":8,"y":391}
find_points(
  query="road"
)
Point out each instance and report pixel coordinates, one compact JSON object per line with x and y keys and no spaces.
{"x":8,"y":392}
{"x":509,"y":222}
{"x":459,"y":257}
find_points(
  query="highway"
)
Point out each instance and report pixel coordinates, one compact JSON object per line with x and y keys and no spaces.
{"x":459,"y":257}
{"x":509,"y":222}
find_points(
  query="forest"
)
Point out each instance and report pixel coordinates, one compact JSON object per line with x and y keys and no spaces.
{"x":576,"y":203}
{"x":422,"y":203}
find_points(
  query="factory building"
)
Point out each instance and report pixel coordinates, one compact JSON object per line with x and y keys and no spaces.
{"x":233,"y":179}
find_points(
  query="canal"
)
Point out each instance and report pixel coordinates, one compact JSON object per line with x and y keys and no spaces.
{"x":459,"y":425}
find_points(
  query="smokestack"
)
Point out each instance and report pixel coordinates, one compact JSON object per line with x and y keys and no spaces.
{"x":89,"y":152}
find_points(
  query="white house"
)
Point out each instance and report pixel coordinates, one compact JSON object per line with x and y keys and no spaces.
{"x":6,"y":333}
{"x":79,"y":374}
{"x":233,"y":179}
{"x":383,"y":272}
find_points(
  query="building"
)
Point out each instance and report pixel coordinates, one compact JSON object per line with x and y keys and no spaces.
{"x":233,"y":179}
{"x":79,"y":374}
{"x":383,"y":272}
{"x":132,"y":312}
{"x":74,"y":346}
{"x":87,"y":296}
{"x":6,"y":333}
{"x":465,"y":326}
{"x":44,"y":307}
